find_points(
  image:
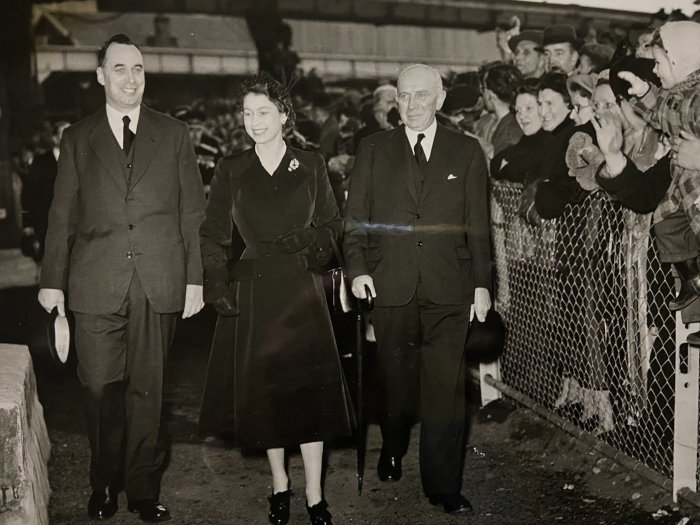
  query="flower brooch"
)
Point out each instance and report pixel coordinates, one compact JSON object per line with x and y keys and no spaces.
{"x":293,"y":165}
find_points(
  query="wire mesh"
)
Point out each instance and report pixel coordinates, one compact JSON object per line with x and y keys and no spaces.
{"x":590,"y":336}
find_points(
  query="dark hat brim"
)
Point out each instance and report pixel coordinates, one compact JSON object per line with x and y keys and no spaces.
{"x":58,"y":334}
{"x":486,"y":341}
{"x":526,"y":36}
{"x":577,"y":43}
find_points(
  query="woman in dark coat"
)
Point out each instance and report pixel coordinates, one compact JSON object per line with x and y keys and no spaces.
{"x":274,"y":377}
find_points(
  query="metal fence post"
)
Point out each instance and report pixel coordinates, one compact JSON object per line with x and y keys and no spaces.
{"x":685,"y":431}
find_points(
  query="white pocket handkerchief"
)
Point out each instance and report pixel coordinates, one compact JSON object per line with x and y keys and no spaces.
{"x":451,"y":177}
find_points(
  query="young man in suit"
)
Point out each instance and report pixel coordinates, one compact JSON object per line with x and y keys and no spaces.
{"x":417,"y":237}
{"x":123,"y":245}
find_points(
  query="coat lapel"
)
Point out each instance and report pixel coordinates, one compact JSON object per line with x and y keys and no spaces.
{"x":145,"y":145}
{"x":105,"y":146}
{"x":438,"y":155}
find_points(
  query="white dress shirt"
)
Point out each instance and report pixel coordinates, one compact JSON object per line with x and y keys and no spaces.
{"x":116,"y":123}
{"x":427,"y":142}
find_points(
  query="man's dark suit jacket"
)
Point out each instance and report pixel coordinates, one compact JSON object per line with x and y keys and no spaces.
{"x":394,"y":232}
{"x":100,"y":229}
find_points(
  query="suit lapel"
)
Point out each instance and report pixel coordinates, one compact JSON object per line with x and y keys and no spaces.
{"x":145,"y":145}
{"x":292,"y":180}
{"x":401,"y":160}
{"x":105,"y":146}
{"x":438,"y":155}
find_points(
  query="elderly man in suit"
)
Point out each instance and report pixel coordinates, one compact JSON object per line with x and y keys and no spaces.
{"x":123,"y":246}
{"x":417,"y":238}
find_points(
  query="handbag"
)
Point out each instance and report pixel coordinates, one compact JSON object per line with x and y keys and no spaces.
{"x":341,"y":300}
{"x":486,"y":341}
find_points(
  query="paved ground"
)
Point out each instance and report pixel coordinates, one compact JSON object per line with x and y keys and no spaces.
{"x":519,"y":469}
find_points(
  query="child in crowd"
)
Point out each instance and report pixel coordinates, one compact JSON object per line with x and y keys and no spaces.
{"x":674,"y":109}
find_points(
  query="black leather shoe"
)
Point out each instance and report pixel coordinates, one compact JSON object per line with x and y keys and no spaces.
{"x":279,"y":507}
{"x":452,"y":503}
{"x":389,"y":467}
{"x":689,"y":274}
{"x":150,"y":510}
{"x":318,"y":514}
{"x":102,"y":504}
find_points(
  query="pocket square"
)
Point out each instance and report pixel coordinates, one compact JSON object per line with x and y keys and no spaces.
{"x":451,"y":177}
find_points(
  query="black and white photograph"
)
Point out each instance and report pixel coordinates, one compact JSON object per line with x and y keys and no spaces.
{"x":350,"y":262}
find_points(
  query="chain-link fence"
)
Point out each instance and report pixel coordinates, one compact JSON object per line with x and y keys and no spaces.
{"x":590,"y":335}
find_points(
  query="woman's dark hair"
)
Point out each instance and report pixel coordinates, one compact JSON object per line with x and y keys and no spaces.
{"x":502,"y":79}
{"x":529,"y":86}
{"x":119,"y":38}
{"x":557,"y":83}
{"x":264,"y":84}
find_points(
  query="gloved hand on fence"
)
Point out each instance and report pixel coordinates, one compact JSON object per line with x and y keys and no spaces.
{"x":584,"y":159}
{"x":225,"y":302}
{"x":526,"y":204}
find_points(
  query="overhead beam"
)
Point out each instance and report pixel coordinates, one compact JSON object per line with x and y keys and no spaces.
{"x":471,"y":14}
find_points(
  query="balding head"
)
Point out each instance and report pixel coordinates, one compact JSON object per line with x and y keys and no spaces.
{"x":420,"y":96}
{"x":422,"y":69}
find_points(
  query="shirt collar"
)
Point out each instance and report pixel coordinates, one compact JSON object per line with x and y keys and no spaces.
{"x":427,"y":142}
{"x":115,"y":118}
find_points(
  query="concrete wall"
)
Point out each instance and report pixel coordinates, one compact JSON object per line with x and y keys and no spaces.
{"x":24,"y":442}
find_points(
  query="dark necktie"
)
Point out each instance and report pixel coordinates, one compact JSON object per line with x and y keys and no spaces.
{"x":419,"y":153}
{"x":128,"y":136}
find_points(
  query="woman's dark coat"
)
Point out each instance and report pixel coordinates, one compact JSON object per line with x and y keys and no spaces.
{"x":274,"y":377}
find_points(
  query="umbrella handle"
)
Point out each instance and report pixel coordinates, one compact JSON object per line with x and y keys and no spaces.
{"x":369,"y":298}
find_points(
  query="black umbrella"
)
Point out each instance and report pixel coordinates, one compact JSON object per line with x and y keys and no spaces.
{"x":361,"y":424}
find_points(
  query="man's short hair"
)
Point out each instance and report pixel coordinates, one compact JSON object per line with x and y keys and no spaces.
{"x":119,"y":38}
{"x":433,"y":72}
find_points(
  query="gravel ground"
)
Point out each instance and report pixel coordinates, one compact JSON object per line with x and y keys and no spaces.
{"x":520,"y":469}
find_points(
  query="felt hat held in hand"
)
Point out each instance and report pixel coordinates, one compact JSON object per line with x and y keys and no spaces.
{"x":485,"y":341}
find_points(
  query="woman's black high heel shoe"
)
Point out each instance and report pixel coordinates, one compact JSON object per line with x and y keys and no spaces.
{"x":319,"y":514}
{"x":279,"y":507}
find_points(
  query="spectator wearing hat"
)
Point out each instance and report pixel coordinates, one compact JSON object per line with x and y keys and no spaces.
{"x":527,"y":53}
{"x":580,"y":87}
{"x":461,"y":107}
{"x":500,"y":84}
{"x":594,"y":58}
{"x":560,"y":45}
